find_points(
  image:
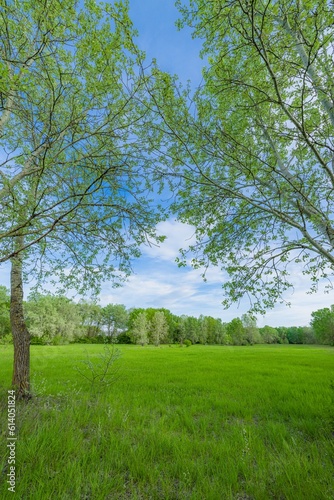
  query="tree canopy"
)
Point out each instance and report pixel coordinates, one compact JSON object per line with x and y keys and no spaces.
{"x":323,"y":325}
{"x":252,"y":151}
{"x":73,"y":174}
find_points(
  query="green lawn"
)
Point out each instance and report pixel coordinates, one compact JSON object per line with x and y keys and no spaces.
{"x":204,"y":422}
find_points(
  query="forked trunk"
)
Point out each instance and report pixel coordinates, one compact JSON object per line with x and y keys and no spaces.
{"x":21,"y":339}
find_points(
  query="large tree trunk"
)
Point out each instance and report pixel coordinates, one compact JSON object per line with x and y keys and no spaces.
{"x":21,"y":372}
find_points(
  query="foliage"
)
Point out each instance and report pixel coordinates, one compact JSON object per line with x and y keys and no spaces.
{"x":5,"y":329}
{"x":269,"y":335}
{"x":98,"y":339}
{"x":236,"y":331}
{"x":282,"y":334}
{"x":158,"y":328}
{"x":309,"y":336}
{"x":38,"y":341}
{"x":252,"y":332}
{"x":91,"y":316}
{"x":171,"y":322}
{"x":124,"y":338}
{"x":211,"y":331}
{"x":323,"y":325}
{"x":295,"y":335}
{"x":192,"y":328}
{"x":114,"y":318}
{"x":252,"y":151}
{"x":6,"y":339}
{"x":140,"y":329}
{"x":187,"y":342}
{"x":53,"y":318}
{"x":179,"y":331}
{"x":72,"y":178}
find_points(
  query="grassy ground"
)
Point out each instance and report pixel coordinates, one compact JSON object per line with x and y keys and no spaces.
{"x":180,"y":423}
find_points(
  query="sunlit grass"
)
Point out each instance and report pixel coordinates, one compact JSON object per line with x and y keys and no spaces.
{"x":180,"y":423}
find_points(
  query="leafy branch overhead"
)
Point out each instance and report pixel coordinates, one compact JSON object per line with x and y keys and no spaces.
{"x":73,"y":171}
{"x":252,"y":151}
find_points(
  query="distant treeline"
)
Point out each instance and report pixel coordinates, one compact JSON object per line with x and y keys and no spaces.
{"x":55,"y":320}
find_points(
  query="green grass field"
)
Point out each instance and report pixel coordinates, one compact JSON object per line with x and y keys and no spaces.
{"x":179,"y":423}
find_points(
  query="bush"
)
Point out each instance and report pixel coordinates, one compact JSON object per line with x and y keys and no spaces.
{"x":103,"y":372}
{"x":34,"y":340}
{"x":124,"y":338}
{"x":6,"y":339}
{"x":323,"y":325}
{"x":82,"y":340}
{"x":187,"y":342}
{"x":98,"y":339}
{"x":59,"y":340}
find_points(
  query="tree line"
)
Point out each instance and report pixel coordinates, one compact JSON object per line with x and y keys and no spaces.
{"x":56,"y":320}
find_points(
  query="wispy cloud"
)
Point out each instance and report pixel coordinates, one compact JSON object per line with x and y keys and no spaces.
{"x":177,"y":235}
{"x":158,"y":282}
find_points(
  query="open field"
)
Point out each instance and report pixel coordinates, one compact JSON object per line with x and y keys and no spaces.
{"x":179,"y":423}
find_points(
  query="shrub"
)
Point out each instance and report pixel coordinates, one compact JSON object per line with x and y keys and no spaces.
{"x":34,"y":340}
{"x":59,"y":340}
{"x":97,"y":339}
{"x":124,"y":338}
{"x":82,"y":340}
{"x":103,"y":371}
{"x":187,"y":342}
{"x":6,"y":339}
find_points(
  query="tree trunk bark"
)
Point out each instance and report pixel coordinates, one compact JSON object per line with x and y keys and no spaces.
{"x":21,"y":338}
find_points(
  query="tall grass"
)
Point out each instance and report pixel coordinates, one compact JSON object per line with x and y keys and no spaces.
{"x":179,"y":423}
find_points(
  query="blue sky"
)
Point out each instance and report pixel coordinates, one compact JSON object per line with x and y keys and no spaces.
{"x":175,"y":51}
{"x":157,"y":281}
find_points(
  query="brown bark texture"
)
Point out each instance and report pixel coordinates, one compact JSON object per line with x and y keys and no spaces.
{"x":21,"y":338}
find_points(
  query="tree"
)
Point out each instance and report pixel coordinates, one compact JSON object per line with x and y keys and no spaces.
{"x":220,"y":336}
{"x":74,"y":172}
{"x":159,"y":328}
{"x":282,"y":334}
{"x":206,"y":329}
{"x":114,"y":319}
{"x":53,"y":318}
{"x":212,"y":331}
{"x":192,"y":328}
{"x":309,"y":335}
{"x":251,"y":330}
{"x":269,"y":335}
{"x":323,"y":325}
{"x":236,"y":331}
{"x":180,"y":330}
{"x":295,"y":334}
{"x":252,"y":152}
{"x":140,"y":329}
{"x":91,"y":318}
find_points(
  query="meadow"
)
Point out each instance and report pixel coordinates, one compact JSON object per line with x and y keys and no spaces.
{"x":203,"y":422}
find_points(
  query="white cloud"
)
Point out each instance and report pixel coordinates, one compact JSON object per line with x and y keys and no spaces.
{"x":163,"y":284}
{"x":302,"y":304}
{"x":159,"y":283}
{"x":178,"y":235}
